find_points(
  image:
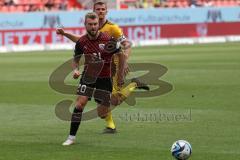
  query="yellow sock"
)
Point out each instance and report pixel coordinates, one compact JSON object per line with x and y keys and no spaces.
{"x":128,"y":89}
{"x":109,"y":121}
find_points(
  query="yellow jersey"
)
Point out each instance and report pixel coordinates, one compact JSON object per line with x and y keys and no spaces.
{"x":113,"y":30}
{"x":116,"y":32}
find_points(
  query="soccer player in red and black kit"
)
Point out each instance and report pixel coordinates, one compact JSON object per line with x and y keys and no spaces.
{"x":97,"y":49}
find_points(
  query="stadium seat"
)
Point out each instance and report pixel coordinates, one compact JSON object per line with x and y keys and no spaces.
{"x":26,"y":8}
{"x":185,"y":4}
{"x":12,"y":8}
{"x":20,"y":8}
{"x":4,"y":9}
{"x":170,"y":4}
{"x":179,"y":3}
{"x":123,"y":6}
{"x":57,"y":1}
{"x":23,"y":2}
{"x":130,"y":1}
{"x":232,"y":3}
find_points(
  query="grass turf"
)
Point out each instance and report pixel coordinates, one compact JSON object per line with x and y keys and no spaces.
{"x":206,"y":82}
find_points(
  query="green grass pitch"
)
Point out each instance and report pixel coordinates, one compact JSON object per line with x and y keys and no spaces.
{"x":206,"y":80}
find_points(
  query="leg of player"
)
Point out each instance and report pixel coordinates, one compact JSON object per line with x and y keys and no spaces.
{"x":76,"y":119}
{"x":118,"y":97}
{"x":106,"y":85}
{"x":135,"y":84}
{"x":125,"y":92}
{"x":111,"y":128}
{"x":102,"y":111}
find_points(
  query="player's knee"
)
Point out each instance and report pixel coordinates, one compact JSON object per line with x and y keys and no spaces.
{"x":115,"y":100}
{"x":102,"y":112}
{"x":102,"y":116}
{"x":79,"y":107}
{"x":81,"y":103}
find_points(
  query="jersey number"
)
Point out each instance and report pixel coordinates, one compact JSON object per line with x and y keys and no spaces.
{"x":97,"y":56}
{"x":82,"y":88}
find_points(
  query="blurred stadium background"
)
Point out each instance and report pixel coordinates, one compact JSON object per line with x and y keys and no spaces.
{"x":30,"y":24}
{"x":197,"y":40}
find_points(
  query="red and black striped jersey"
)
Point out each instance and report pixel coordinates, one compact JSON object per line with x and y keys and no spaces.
{"x":97,"y":59}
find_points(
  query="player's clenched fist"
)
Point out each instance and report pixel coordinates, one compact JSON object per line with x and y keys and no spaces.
{"x":60,"y":31}
{"x":76,"y":74}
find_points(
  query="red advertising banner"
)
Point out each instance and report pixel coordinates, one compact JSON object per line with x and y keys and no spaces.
{"x":134,"y":33}
{"x":35,"y":36}
{"x":181,"y":30}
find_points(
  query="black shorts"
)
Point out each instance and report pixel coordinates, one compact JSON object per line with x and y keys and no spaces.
{"x":101,"y":90}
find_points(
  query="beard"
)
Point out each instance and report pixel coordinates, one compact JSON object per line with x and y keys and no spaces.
{"x":92,"y":33}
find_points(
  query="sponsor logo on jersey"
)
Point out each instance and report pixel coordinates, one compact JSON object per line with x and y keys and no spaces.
{"x":101,"y":46}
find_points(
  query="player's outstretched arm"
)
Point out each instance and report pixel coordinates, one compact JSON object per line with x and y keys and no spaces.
{"x":71,"y":36}
{"x":126,"y":46}
{"x":117,"y":33}
{"x":121,"y":70}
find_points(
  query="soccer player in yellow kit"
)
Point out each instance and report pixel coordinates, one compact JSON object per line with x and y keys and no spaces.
{"x":119,"y":93}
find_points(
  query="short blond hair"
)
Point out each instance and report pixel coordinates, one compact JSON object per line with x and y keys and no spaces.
{"x":95,"y":2}
{"x":91,"y":15}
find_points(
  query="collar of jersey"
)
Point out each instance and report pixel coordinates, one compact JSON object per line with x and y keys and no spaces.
{"x":100,"y":33}
{"x":104,"y":24}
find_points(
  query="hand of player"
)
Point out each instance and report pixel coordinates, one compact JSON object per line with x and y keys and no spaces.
{"x":60,"y":31}
{"x":76,"y":74}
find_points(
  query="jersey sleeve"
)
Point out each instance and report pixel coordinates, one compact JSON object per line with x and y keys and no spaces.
{"x":78,"y":51}
{"x":112,"y":46}
{"x":117,"y":33}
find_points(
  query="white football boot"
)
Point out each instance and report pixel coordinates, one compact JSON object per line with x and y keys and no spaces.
{"x":70,"y":141}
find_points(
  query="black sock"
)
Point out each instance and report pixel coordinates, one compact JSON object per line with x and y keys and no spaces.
{"x":75,"y":121}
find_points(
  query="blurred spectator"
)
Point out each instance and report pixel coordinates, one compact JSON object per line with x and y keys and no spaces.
{"x":8,"y":2}
{"x":194,"y":3}
{"x":175,"y":4}
{"x":56,"y":5}
{"x":33,"y":8}
{"x":157,"y":3}
{"x":49,"y":5}
{"x":74,"y":5}
{"x":63,"y":6}
{"x":148,"y":3}
{"x":163,"y":3}
{"x":208,"y":3}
